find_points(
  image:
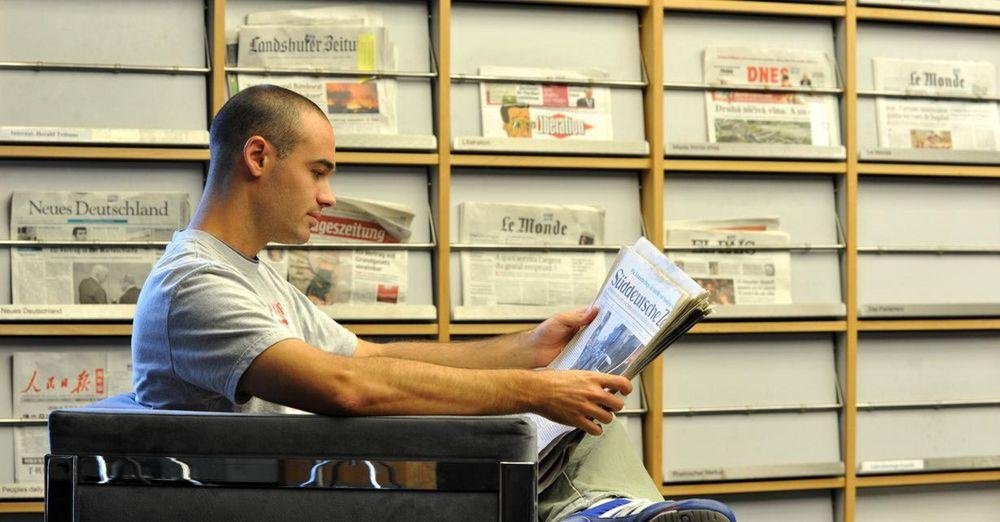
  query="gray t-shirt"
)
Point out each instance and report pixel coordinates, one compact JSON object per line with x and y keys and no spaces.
{"x":204,"y":314}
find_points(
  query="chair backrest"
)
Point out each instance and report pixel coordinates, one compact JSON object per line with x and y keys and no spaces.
{"x":119,"y":461}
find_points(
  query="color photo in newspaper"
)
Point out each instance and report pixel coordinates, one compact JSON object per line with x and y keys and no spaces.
{"x":530,"y":278}
{"x":547,"y":109}
{"x":644,"y":305}
{"x":355,"y":276}
{"x":326,"y":38}
{"x":914,"y":123}
{"x":763,"y":117}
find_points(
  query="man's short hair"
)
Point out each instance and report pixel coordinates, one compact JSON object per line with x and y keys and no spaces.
{"x":269,"y":111}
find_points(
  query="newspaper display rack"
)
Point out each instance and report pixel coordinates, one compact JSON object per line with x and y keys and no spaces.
{"x":341,"y":58}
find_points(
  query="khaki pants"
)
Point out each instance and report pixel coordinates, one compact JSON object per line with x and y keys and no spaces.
{"x":600,"y":467}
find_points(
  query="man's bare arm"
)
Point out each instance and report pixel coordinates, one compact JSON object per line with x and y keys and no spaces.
{"x":528,"y":349}
{"x":296,"y":374}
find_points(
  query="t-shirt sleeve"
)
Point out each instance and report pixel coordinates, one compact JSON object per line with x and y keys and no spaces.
{"x":217,"y":325}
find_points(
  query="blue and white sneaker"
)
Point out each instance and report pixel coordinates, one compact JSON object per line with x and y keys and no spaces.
{"x":640,"y":510}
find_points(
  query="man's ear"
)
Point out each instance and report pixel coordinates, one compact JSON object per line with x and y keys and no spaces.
{"x":257,"y":155}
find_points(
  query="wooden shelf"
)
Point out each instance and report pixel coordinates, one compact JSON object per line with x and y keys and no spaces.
{"x":12,"y":507}
{"x":593,"y":3}
{"x":548,"y":162}
{"x":102,"y":153}
{"x":935,"y":17}
{"x":65,"y":329}
{"x":756,"y":486}
{"x":926,"y":479}
{"x":906,"y":169}
{"x":928,"y":325}
{"x":385,"y":158}
{"x":754,"y":167}
{"x":770,"y":327}
{"x":749,"y":7}
{"x":377,"y":329}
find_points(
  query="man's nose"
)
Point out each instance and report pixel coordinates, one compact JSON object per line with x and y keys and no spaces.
{"x":326,"y":197}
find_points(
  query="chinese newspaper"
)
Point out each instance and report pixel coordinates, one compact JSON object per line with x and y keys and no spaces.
{"x":645,"y":304}
{"x":545,"y":109}
{"x":910,"y":123}
{"x":530,"y":278}
{"x":355,"y":276}
{"x":346,"y":38}
{"x":736,"y":116}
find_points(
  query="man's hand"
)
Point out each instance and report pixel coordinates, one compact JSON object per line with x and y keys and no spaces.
{"x":578,"y":398}
{"x":551,"y":336}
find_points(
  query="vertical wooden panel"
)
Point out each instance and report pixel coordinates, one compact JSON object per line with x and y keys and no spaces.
{"x":441,"y":21}
{"x":651,"y":43}
{"x":217,"y":53}
{"x":850,"y":259}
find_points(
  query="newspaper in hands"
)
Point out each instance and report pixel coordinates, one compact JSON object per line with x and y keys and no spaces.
{"x":645,"y":304}
{"x":770,"y":117}
{"x":530,"y":278}
{"x":546,"y":109}
{"x":906,"y":123}
{"x":355,"y":276}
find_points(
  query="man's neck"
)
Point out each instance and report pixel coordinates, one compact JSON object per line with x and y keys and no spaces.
{"x":229,"y":220}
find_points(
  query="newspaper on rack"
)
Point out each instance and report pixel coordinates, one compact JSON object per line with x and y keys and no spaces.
{"x":912,"y":123}
{"x":530,"y":278}
{"x":736,"y":116}
{"x":645,"y":304}
{"x":355,"y":276}
{"x":333,"y":38}
{"x":738,"y":273}
{"x":54,"y":276}
{"x":46,"y":381}
{"x":545,"y":109}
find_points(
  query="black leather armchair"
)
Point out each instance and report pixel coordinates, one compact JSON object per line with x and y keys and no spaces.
{"x":118,"y":461}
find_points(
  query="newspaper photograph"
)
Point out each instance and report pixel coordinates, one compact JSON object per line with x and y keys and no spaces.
{"x":770,"y":117}
{"x":644,"y":305}
{"x":46,"y":381}
{"x":530,"y":278}
{"x":64,"y":276}
{"x":909,"y":123}
{"x":351,"y":39}
{"x":98,"y":216}
{"x":355,"y":276}
{"x":546,"y":109}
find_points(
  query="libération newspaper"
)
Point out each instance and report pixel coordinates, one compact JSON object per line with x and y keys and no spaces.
{"x":738,"y":273}
{"x":913,"y":123}
{"x":645,"y":304}
{"x":545,"y":109}
{"x":88,"y":275}
{"x":355,"y":276}
{"x":736,"y":116}
{"x":530,"y":278}
{"x":350,"y":38}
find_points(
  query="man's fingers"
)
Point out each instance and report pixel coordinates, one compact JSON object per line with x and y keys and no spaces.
{"x":616,"y":383}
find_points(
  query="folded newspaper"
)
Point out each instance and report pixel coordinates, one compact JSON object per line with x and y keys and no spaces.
{"x":645,"y":305}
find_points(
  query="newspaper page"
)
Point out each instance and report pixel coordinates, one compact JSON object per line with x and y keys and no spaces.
{"x":547,"y":109}
{"x":644,"y":305}
{"x":347,"y":39}
{"x":31,"y":443}
{"x":355,"y":276}
{"x":530,"y":278}
{"x":740,"y":274}
{"x":63,"y":276}
{"x":46,"y":381}
{"x":770,"y":117}
{"x":908,"y":123}
{"x":100,"y":216}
